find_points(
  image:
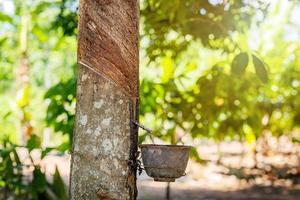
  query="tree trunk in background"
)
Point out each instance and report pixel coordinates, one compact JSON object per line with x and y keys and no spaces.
{"x":105,"y":141}
{"x":22,"y":78}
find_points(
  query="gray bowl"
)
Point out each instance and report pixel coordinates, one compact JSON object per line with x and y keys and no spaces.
{"x":165,"y":162}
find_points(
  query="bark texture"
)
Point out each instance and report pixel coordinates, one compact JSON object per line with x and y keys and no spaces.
{"x":105,"y":142}
{"x":108,"y":35}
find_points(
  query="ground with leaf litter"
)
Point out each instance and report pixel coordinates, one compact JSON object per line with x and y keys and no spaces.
{"x":229,"y":173}
{"x":229,"y":177}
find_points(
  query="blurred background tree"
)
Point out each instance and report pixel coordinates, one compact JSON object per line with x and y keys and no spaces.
{"x":31,"y":37}
{"x":214,"y":70}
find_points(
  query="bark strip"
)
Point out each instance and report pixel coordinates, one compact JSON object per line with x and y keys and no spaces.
{"x":108,"y":35}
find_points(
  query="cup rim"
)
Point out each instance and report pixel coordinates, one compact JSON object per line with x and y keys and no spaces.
{"x":165,"y":146}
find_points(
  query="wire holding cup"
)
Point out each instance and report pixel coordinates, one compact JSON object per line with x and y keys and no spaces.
{"x":148,"y":130}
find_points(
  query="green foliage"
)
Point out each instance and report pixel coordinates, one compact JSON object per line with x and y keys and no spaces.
{"x":59,"y":186}
{"x":39,"y":182}
{"x":67,"y":18}
{"x":61,"y":109}
{"x":5,"y":18}
{"x":34,"y":185}
{"x":172,"y":25}
{"x":50,"y":54}
{"x":239,"y":63}
{"x":224,"y":100}
{"x":10,"y":168}
{"x":260,"y":69}
{"x":33,"y":143}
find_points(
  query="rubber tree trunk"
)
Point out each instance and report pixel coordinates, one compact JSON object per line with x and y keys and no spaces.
{"x":105,"y":141}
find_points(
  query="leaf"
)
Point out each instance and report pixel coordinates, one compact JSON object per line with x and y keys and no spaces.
{"x":58,"y":186}
{"x":3,"y":40}
{"x":260,"y":69}
{"x":64,"y":146}
{"x":34,"y":142}
{"x":45,"y":152}
{"x":16,"y":156}
{"x":5,"y":18}
{"x":239,"y":63}
{"x":7,"y":114}
{"x":39,"y":182}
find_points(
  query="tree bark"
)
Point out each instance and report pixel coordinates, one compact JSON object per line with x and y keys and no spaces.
{"x":105,"y":141}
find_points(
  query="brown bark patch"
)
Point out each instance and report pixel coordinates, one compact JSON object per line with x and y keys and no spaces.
{"x":108,"y":34}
